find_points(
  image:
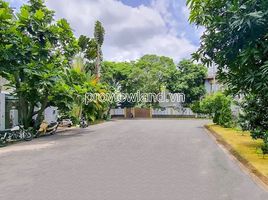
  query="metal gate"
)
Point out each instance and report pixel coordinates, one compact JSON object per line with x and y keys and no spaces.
{"x":142,"y":112}
{"x":138,"y":113}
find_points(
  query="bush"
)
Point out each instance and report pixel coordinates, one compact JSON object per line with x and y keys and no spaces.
{"x":255,"y":118}
{"x":195,"y":107}
{"x":264,"y":149}
{"x":217,"y":106}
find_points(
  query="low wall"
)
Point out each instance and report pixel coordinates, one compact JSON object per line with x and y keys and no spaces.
{"x":174,"y":116}
{"x":154,"y":113}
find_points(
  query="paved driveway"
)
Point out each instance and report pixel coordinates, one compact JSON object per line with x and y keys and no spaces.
{"x":125,"y":160}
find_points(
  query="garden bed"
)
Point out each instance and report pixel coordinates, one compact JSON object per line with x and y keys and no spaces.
{"x":244,"y":149}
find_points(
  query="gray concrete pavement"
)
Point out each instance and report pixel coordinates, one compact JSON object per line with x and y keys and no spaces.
{"x":125,"y":160}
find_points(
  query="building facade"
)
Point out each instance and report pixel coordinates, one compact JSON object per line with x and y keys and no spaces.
{"x":10,"y":112}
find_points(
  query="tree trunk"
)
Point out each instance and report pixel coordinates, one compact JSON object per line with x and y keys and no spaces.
{"x":23,"y":110}
{"x":30,"y":116}
{"x":40,"y":112}
{"x":98,"y":62}
{"x":23,"y":104}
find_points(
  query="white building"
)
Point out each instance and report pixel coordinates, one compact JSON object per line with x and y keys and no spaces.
{"x":9,"y":109}
{"x":7,"y":113}
{"x":211,"y":83}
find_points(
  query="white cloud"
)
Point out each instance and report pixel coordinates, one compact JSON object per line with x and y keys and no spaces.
{"x":165,"y":9}
{"x":130,"y":32}
{"x":185,"y":11}
{"x":198,"y":30}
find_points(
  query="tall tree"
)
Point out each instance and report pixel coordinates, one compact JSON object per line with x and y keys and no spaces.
{"x":99,"y":33}
{"x":236,"y":40}
{"x":82,"y":83}
{"x":151,"y":73}
{"x":154,"y":74}
{"x":36,"y":50}
{"x":188,"y":78}
{"x":88,"y":50}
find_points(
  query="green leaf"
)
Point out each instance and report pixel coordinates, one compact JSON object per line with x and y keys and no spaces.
{"x":64,"y":24}
{"x":9,"y":46}
{"x":256,"y":14}
{"x":24,"y":13}
{"x":4,"y":14}
{"x":39,"y":14}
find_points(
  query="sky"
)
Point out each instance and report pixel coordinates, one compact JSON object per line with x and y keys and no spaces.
{"x":133,"y":27}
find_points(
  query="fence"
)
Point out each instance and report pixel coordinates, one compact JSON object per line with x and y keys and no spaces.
{"x":118,"y":112}
{"x":171,"y":112}
{"x":155,"y":113}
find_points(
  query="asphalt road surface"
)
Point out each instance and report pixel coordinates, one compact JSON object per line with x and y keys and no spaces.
{"x":125,"y":160}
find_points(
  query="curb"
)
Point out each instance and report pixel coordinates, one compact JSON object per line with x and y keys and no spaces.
{"x":74,"y":128}
{"x":246,"y":166}
{"x":62,"y":130}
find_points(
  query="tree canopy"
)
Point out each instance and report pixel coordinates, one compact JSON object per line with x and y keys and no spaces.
{"x":236,"y":40}
{"x":37,"y":54}
{"x":155,"y":74}
{"x":35,"y":51}
{"x":188,"y":79}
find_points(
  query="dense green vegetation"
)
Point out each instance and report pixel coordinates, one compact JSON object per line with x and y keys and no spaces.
{"x":36,"y":56}
{"x":154,"y":74}
{"x":188,"y":78}
{"x":46,"y":65}
{"x":218,"y":106}
{"x":236,"y":40}
{"x":254,"y":118}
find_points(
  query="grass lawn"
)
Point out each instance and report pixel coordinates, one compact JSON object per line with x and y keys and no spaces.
{"x":244,"y":148}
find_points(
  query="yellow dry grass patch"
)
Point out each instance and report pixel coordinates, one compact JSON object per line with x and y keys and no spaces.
{"x":245,"y":146}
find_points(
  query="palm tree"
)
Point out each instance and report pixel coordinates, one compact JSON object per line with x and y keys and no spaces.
{"x":99,"y":33}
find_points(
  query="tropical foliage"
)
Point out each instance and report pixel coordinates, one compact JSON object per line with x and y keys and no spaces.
{"x":188,"y":79}
{"x":154,"y":74}
{"x":35,"y":51}
{"x":36,"y":55}
{"x":99,"y":38}
{"x":254,"y":117}
{"x":236,"y":40}
{"x":217,"y":105}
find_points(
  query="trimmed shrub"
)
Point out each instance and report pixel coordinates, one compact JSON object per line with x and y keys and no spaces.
{"x":254,"y":118}
{"x":218,"y":106}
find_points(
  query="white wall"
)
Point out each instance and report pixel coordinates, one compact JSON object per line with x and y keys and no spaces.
{"x":51,"y":114}
{"x":2,"y":111}
{"x":14,"y":117}
{"x":172,"y":111}
{"x":163,"y":112}
{"x":117,"y":111}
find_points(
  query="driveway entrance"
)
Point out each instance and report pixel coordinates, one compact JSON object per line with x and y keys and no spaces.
{"x":138,"y":113}
{"x":125,"y":160}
